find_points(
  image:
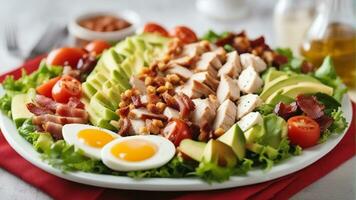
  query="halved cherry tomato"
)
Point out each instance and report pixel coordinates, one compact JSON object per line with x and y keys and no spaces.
{"x":46,"y":88}
{"x":177,"y":130}
{"x":303,"y":131}
{"x":155,"y":28}
{"x":97,"y":46}
{"x":65,"y":88}
{"x":185,"y":34}
{"x":65,"y":56}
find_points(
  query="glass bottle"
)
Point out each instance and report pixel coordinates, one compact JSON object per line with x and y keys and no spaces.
{"x":292,"y":19}
{"x":333,"y":33}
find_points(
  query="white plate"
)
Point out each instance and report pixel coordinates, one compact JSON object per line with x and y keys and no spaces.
{"x":289,"y":166}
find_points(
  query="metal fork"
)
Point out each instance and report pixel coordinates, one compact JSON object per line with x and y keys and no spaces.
{"x":53,"y":35}
{"x":11,"y":41}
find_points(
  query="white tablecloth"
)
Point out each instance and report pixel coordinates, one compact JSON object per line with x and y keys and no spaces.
{"x":31,"y":16}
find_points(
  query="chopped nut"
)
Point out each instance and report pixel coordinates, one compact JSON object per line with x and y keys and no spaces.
{"x":219,"y":132}
{"x":145,"y":70}
{"x":168,"y":85}
{"x":152,"y":108}
{"x":157,"y":123}
{"x":162,"y":66}
{"x":131,"y":106}
{"x":143,"y":130}
{"x":151,"y":89}
{"x":161,"y":106}
{"x":162,"y":89}
{"x":122,"y":104}
{"x":148,"y":80}
{"x":128,"y":93}
{"x":135,"y":92}
{"x":173,"y":78}
{"x":159,"y":80}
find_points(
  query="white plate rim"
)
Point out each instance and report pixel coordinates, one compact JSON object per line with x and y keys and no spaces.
{"x":291,"y":165}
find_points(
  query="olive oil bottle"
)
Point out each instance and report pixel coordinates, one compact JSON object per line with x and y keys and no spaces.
{"x":333,"y":33}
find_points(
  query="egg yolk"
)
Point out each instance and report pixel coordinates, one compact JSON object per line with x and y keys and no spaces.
{"x":134,"y":150}
{"x":94,"y":137}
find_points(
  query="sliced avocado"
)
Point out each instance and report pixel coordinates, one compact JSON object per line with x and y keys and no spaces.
{"x":154,"y":38}
{"x":281,"y":98}
{"x":104,"y":101}
{"x":293,"y":91}
{"x":127,"y":65}
{"x":138,"y":63}
{"x":88,"y":90}
{"x":44,"y":142}
{"x":139,"y":44}
{"x":272,"y":74}
{"x":101,"y":77}
{"x":235,"y":138}
{"x":94,"y":83}
{"x":282,"y":82}
{"x":270,"y":152}
{"x":98,"y":121}
{"x":19,"y":110}
{"x":120,"y":76}
{"x":254,"y":133}
{"x":193,"y":149}
{"x":111,"y":60}
{"x":219,"y":153}
{"x":101,"y":110}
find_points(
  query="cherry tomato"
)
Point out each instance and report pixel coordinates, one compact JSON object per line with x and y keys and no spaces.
{"x":97,"y":46}
{"x":303,"y":131}
{"x":185,"y":34}
{"x":46,"y":88}
{"x":155,"y":28}
{"x":177,"y":130}
{"x":65,"y":88}
{"x":65,"y":56}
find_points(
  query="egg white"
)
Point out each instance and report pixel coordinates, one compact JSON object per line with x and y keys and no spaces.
{"x":165,"y":152}
{"x":70,"y":135}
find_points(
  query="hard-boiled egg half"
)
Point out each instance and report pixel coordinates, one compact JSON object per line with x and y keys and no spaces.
{"x":137,"y":152}
{"x":89,"y":139}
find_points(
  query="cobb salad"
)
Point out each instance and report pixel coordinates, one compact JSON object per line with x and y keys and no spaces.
{"x":170,"y":104}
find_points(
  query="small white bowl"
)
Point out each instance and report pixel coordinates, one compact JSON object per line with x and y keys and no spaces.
{"x":85,"y":34}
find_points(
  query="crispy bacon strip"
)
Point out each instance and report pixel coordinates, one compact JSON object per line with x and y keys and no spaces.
{"x":310,"y":106}
{"x":185,"y":105}
{"x":75,"y":103}
{"x":53,"y":128}
{"x":38,"y":120}
{"x":36,"y":110}
{"x":67,"y":111}
{"x":45,"y":102}
{"x":125,"y":126}
{"x":286,"y":110}
{"x":324,"y":122}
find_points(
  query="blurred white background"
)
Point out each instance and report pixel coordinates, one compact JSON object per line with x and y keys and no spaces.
{"x":32,"y":16}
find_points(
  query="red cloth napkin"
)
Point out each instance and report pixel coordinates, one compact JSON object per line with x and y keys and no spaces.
{"x":281,"y":188}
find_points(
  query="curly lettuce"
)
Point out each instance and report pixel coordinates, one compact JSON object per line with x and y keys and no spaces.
{"x":25,"y":82}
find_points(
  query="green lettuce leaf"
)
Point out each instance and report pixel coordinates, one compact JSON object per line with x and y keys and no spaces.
{"x":64,"y":157}
{"x":275,"y":128}
{"x":176,"y":168}
{"x":212,"y":36}
{"x":26,"y":82}
{"x":212,"y":172}
{"x":28,"y":131}
{"x":326,"y":74}
{"x":294,"y":64}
